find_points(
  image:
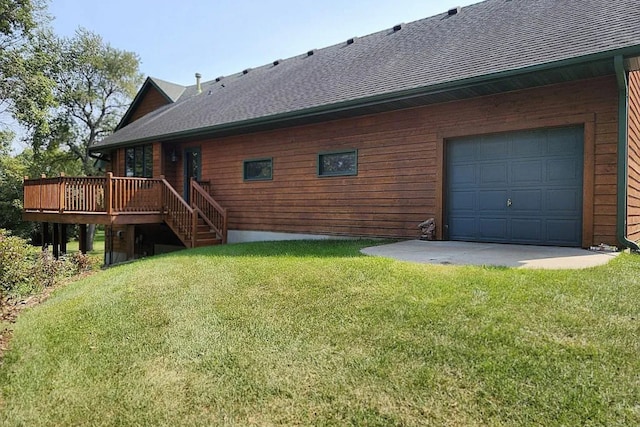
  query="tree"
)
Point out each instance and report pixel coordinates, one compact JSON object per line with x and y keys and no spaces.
{"x":96,"y":83}
{"x":18,"y":21}
{"x":12,"y":171}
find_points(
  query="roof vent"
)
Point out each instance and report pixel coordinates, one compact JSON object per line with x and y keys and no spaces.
{"x":198,"y":85}
{"x":276,"y":62}
{"x":311,"y":52}
{"x":454,"y":11}
{"x":246,"y":71}
{"x":351,"y":40}
{"x":219,"y":78}
{"x":397,"y":28}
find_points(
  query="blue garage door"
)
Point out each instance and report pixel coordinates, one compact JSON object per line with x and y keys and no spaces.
{"x":519,"y":187}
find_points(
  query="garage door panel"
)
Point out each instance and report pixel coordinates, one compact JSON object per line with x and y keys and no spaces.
{"x":464,"y":174}
{"x":461,"y":201}
{"x":527,"y":230}
{"x":463,"y":228}
{"x":490,"y":201}
{"x":563,"y":231}
{"x":564,"y":141}
{"x":540,"y":171}
{"x":493,"y":228}
{"x":527,"y":145}
{"x":494,"y":147}
{"x":564,"y":170}
{"x":563,"y":201}
{"x":493,"y":173}
{"x":528,"y":172}
{"x":526,"y":201}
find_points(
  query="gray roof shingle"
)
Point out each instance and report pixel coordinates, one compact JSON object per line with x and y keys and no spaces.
{"x":494,"y":36}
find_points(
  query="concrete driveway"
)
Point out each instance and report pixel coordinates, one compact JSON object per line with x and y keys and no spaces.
{"x":465,"y":253}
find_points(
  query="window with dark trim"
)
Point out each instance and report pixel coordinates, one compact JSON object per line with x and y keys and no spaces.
{"x":337,"y":163}
{"x":139,"y":161}
{"x":257,"y":169}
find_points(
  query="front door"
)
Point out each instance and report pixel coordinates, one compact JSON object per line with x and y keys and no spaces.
{"x":192,"y":166}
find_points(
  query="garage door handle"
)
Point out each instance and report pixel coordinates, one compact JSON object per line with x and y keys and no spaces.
{"x":509,"y":202}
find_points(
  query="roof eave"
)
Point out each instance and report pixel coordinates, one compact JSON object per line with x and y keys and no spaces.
{"x":374,"y":100}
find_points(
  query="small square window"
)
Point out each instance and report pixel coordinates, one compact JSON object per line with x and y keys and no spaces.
{"x":258,"y":170}
{"x":338,"y":163}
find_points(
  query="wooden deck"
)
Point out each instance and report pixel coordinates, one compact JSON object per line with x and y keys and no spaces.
{"x":93,"y":200}
{"x":113,"y":200}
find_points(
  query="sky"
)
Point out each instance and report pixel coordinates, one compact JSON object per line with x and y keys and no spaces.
{"x":177,"y":38}
{"x":174,"y":39}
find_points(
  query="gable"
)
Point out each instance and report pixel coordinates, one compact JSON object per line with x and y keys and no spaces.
{"x":150,"y":100}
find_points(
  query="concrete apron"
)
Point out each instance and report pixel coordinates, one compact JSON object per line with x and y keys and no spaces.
{"x":494,"y":254}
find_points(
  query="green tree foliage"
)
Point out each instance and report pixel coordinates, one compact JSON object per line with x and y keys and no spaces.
{"x":95,"y":84}
{"x":23,"y":74}
{"x":12,"y":170}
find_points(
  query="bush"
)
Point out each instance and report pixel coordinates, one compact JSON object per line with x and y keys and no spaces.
{"x":16,"y":263}
{"x":25,"y":269}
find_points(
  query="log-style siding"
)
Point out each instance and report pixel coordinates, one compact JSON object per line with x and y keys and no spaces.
{"x":400,"y":163}
{"x":633,"y":195}
{"x":151,"y":101}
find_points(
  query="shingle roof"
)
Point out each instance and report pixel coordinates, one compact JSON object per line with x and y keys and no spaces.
{"x":494,"y":36}
{"x":172,"y":90}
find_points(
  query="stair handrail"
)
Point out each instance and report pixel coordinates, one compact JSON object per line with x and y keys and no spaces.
{"x":210,"y":210}
{"x":185,"y":228}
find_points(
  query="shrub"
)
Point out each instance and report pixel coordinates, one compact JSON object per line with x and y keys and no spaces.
{"x":25,"y":269}
{"x":16,"y":263}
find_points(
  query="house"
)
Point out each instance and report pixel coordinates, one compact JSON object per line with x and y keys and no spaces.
{"x":512,"y":121}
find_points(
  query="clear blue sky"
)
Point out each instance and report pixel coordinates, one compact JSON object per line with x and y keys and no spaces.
{"x":176,"y":38}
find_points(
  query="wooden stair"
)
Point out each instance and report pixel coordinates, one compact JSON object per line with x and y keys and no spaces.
{"x":203,"y":223}
{"x":205,"y":236}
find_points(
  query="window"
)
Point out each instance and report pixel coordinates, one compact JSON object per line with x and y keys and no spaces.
{"x":338,"y":163}
{"x":139,"y":161}
{"x":258,"y":170}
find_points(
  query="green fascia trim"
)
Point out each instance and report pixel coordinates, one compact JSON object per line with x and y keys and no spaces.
{"x":623,"y":153}
{"x":378,"y":99}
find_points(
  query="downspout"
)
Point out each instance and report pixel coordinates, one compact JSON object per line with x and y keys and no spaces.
{"x":623,"y":115}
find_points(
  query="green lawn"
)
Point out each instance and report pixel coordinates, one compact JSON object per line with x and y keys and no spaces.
{"x":313,"y":333}
{"x":98,"y":245}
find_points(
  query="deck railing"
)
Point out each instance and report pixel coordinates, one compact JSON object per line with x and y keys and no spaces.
{"x":210,"y":211}
{"x":178,"y":215}
{"x":112,"y":196}
{"x":109,"y":195}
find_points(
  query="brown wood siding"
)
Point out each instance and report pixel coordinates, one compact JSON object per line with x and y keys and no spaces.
{"x":633,"y":195}
{"x":158,"y":160}
{"x":151,"y":100}
{"x":117,"y":164}
{"x":400,"y":163}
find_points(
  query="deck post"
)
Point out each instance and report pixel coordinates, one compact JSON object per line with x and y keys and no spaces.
{"x":56,"y":240}
{"x":40,"y":187}
{"x":83,"y":238}
{"x":63,"y":239}
{"x":61,"y":182}
{"x":108,"y":193}
{"x":45,"y":237}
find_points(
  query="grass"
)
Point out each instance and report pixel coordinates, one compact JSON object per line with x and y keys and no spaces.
{"x":98,"y":245}
{"x":313,"y":333}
